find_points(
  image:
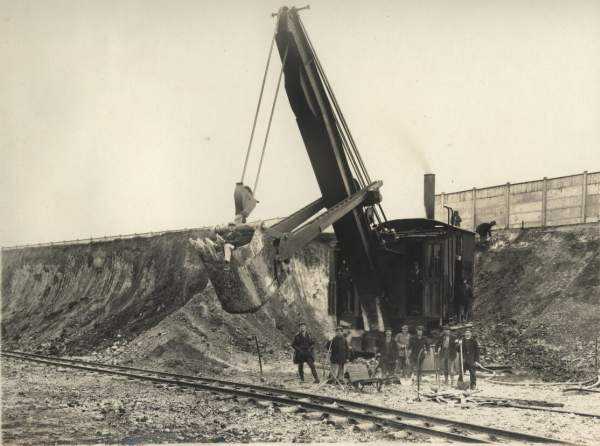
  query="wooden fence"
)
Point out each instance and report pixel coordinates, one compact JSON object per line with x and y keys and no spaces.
{"x":557,"y":201}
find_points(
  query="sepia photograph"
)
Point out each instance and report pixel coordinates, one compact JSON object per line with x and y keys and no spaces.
{"x":337,"y":221}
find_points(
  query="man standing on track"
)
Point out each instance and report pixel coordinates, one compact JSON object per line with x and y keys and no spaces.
{"x":303,"y":352}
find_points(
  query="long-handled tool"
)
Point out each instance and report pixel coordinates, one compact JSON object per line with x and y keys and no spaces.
{"x":327,"y":365}
{"x":436,"y":364}
{"x":262,"y":378}
{"x":461,"y":385}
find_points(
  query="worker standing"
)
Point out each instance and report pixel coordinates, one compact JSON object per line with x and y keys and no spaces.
{"x":470,"y":354}
{"x":403,"y":343}
{"x":418,"y":348}
{"x":339,"y":353}
{"x":446,"y":348}
{"x":389,"y":354}
{"x":303,"y":352}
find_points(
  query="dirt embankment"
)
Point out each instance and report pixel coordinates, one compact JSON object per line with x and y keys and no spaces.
{"x":149,"y":297}
{"x":538,"y":299}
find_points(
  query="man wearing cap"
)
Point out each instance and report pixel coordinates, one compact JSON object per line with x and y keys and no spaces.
{"x":418,"y":348}
{"x":338,"y":354}
{"x":303,"y":352}
{"x":403,"y":342}
{"x":446,"y":349}
{"x":389,"y":354}
{"x":470,"y":354}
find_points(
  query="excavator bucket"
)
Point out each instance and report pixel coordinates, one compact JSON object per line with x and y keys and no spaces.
{"x":251,"y":276}
{"x":244,"y":202}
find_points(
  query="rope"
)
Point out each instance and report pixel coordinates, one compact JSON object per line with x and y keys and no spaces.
{"x":262,"y":155}
{"x":260,"y":96}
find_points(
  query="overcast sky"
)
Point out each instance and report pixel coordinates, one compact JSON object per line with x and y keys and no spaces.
{"x":130,"y":116}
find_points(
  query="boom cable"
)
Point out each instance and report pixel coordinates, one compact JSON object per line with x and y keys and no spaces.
{"x":262,"y":155}
{"x":348,"y":142}
{"x":260,"y":96}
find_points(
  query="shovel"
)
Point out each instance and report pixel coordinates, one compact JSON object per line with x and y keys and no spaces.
{"x":461,"y":384}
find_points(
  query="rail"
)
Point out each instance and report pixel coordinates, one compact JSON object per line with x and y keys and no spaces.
{"x":352,"y":410}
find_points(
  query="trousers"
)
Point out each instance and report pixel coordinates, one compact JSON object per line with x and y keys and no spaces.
{"x":311,"y":364}
{"x":337,"y":371}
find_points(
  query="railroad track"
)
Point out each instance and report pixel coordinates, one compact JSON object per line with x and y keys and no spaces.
{"x":422,"y":425}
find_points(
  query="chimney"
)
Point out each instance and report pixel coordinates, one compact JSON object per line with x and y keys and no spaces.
{"x":429,"y":195}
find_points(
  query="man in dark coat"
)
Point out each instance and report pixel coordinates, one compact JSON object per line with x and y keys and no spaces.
{"x":339,"y":353}
{"x":303,"y":352}
{"x":470,"y":354}
{"x":389,"y":354}
{"x":446,"y":349}
{"x":456,"y":219}
{"x":485,"y":230}
{"x":418,"y":349}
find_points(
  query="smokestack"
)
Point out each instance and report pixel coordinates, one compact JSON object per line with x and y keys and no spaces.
{"x":429,"y":195}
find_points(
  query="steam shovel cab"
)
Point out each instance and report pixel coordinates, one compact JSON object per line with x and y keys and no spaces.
{"x":423,"y":266}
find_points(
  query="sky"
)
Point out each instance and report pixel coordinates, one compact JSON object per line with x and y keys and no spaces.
{"x":126,"y":116}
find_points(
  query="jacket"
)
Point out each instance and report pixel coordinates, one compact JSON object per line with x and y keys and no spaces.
{"x":389,"y":352}
{"x":403,"y":343}
{"x":303,"y":348}
{"x":339,"y":352}
{"x":416,"y":345}
{"x":450,"y":350}
{"x":470,"y":351}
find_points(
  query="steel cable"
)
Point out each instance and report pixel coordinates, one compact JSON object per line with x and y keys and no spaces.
{"x":262,"y":155}
{"x":260,"y":96}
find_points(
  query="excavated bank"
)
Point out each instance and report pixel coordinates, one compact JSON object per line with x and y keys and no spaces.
{"x":83,"y":298}
{"x":538,"y":299}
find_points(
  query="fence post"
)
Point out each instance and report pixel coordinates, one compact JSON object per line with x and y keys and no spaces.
{"x":544,"y":200}
{"x":474,"y":208}
{"x":584,"y":189}
{"x":507,"y":205}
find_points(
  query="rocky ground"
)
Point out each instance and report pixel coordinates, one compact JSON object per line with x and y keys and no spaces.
{"x":38,"y":400}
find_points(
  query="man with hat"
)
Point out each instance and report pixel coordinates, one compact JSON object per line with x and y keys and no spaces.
{"x":339,"y":352}
{"x":403,"y":343}
{"x":389,"y":354}
{"x":446,"y":349}
{"x":303,"y":352}
{"x":470,"y":356}
{"x":418,"y":348}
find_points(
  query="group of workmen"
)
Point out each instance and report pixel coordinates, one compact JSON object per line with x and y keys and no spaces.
{"x":401,"y":355}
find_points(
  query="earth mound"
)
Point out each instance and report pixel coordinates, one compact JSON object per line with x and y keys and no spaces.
{"x":538,"y":299}
{"x":149,"y":300}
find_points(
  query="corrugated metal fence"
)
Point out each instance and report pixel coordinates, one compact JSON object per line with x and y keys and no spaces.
{"x":557,"y":201}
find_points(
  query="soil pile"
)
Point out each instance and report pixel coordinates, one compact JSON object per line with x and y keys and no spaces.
{"x":538,"y":299}
{"x":149,"y":299}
